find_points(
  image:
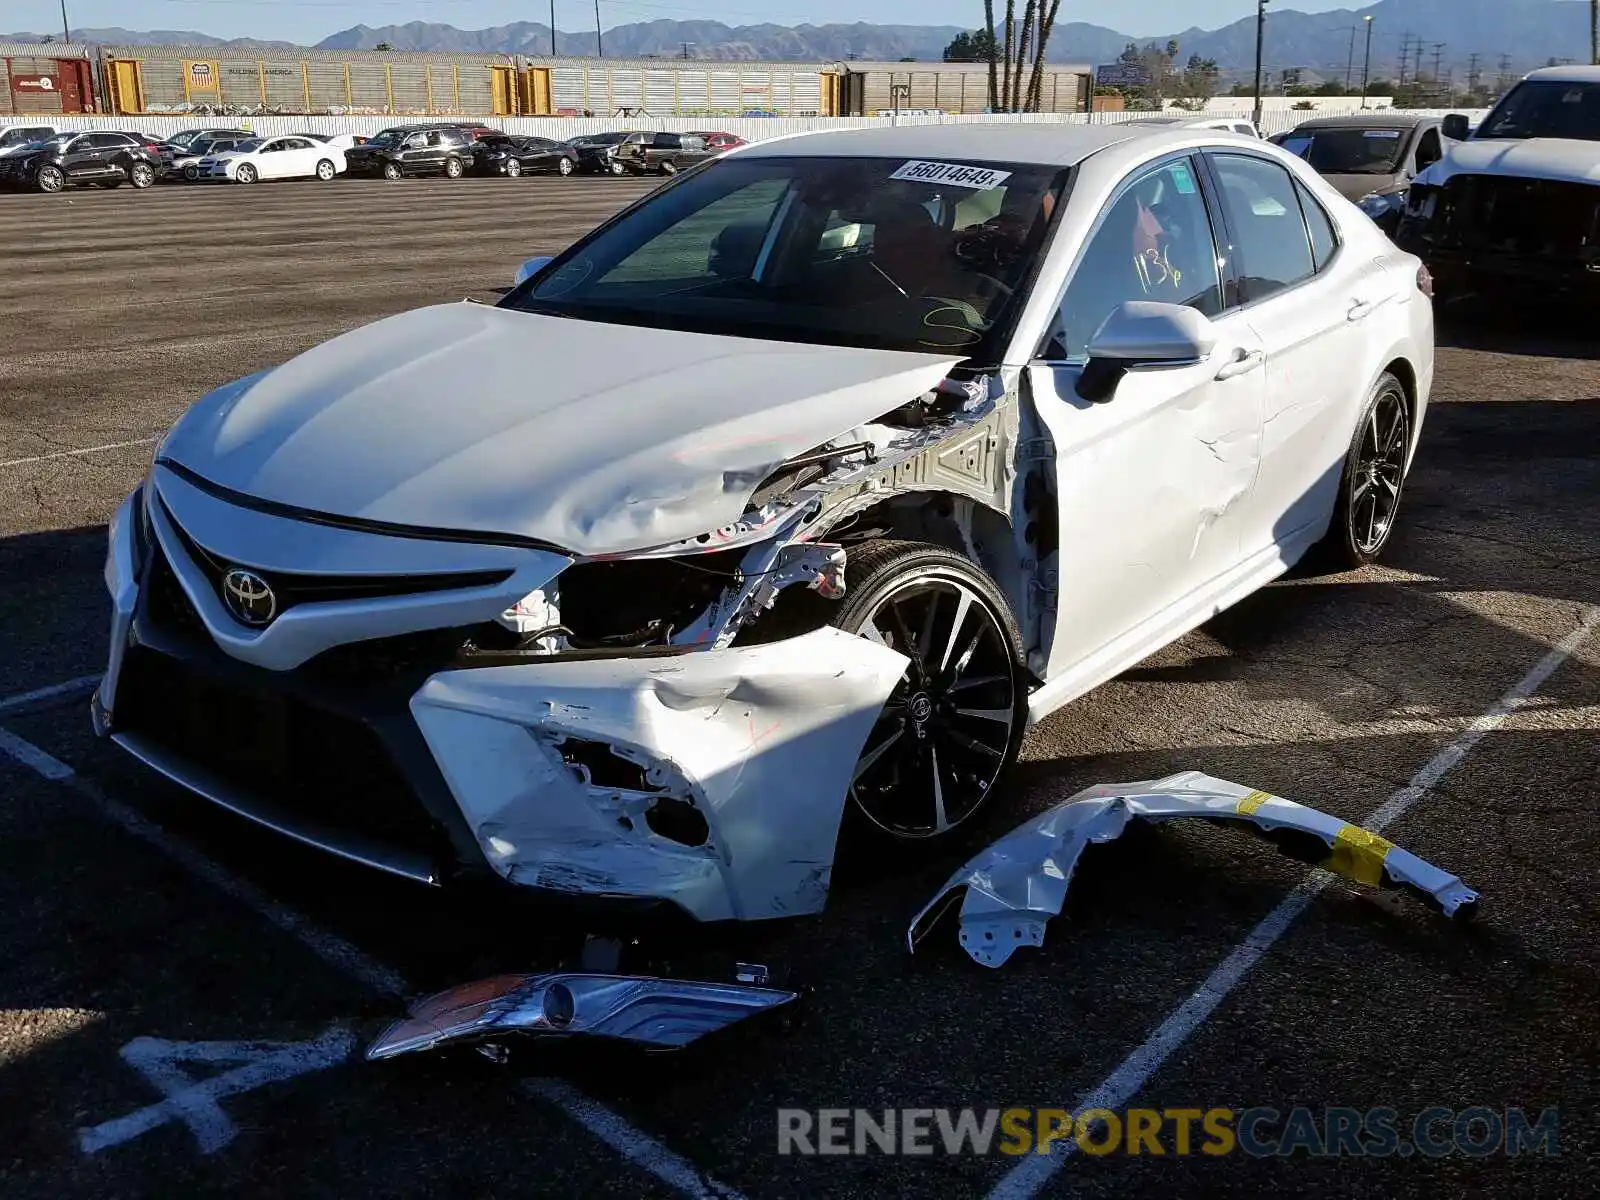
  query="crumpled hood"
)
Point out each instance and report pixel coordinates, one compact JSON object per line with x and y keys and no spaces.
{"x":1564,"y":160}
{"x":1353,"y":187}
{"x":595,"y":438}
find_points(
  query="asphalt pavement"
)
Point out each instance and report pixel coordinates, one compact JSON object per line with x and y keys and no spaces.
{"x":148,"y":944}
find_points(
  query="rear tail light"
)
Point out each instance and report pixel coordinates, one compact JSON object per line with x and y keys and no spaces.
{"x":1424,"y":280}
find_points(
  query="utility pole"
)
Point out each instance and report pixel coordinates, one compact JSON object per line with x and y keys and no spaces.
{"x":1502,"y":79}
{"x":552,"y":28}
{"x":686,"y":46}
{"x":1261,"y":30}
{"x":1405,"y":57}
{"x":1474,"y":75}
{"x":1594,"y":31}
{"x":599,"y":46}
{"x":1366,"y":65}
{"x":1350,"y":62}
{"x":66,"y":33}
{"x":1438,"y":54}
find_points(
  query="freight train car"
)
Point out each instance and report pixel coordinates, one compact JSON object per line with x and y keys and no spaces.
{"x":865,"y":89}
{"x":51,"y":78}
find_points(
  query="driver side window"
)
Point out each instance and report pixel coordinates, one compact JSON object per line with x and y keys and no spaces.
{"x":1153,"y":243}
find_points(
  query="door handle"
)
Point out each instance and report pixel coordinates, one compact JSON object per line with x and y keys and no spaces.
{"x":1243,"y":362}
{"x":1358,"y":309}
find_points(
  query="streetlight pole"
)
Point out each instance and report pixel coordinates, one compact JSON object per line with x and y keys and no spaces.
{"x":599,"y":46}
{"x":1261,"y":29}
{"x":66,"y":33}
{"x":1350,"y":62}
{"x":552,"y":28}
{"x":1366,"y":65}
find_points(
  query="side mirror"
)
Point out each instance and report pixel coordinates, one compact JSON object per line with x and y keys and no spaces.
{"x":1143,"y":333}
{"x":1455,"y":127}
{"x":531,"y":268}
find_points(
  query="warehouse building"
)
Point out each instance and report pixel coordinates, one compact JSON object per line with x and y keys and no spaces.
{"x":49,"y":78}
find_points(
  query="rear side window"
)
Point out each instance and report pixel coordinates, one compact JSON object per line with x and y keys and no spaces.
{"x":1272,"y":250}
{"x":1319,"y":225}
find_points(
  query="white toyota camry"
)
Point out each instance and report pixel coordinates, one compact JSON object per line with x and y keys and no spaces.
{"x":274,"y":158}
{"x":847,"y":457}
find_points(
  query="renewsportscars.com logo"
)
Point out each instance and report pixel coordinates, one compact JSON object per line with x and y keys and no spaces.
{"x":1436,"y":1132}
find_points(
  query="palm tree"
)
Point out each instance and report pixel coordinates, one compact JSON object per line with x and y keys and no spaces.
{"x":994,"y":82}
{"x":1047,"y":24}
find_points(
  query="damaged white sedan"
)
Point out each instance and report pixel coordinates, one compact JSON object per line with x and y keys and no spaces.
{"x":777,"y":506}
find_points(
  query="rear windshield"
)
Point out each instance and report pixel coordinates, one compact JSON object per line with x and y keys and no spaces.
{"x":886,"y":253}
{"x":1546,"y":108}
{"x":1350,"y":151}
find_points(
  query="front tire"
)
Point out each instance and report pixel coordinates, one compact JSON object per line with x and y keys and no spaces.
{"x":1374,"y":476}
{"x":391,"y":171}
{"x":952,"y":728}
{"x":192,"y":174}
{"x":617,"y":168}
{"x":246,"y":174}
{"x":452,"y":168}
{"x":51,"y":179}
{"x":513,"y":169}
{"x":325,"y":171}
{"x":668,"y":167}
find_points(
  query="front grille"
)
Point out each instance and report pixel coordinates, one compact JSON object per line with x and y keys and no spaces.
{"x":325,"y":767}
{"x":1531,"y":218}
{"x":293,"y":588}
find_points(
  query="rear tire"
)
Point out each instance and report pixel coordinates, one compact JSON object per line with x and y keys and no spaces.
{"x":564,"y":167}
{"x":668,"y":167}
{"x":952,"y":728}
{"x":326,"y":170}
{"x":617,"y":168}
{"x":452,"y":168}
{"x":1372,"y":481}
{"x":141,"y":175}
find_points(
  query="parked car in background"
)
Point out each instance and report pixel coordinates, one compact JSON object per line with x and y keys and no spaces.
{"x":503,"y":154}
{"x":759,"y":544}
{"x":662,"y":153}
{"x":597,"y":152}
{"x":185,"y":164}
{"x":413,"y":150}
{"x":344,"y":141}
{"x":718,"y":141}
{"x":190,"y":144}
{"x":102,"y":157}
{"x":1223,"y":122}
{"x":1517,"y":201}
{"x":15,"y":137}
{"x":478,"y":132}
{"x":1370,"y":157}
{"x":286,"y":157}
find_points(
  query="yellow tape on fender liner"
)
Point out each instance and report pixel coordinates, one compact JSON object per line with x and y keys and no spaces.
{"x":1358,"y":855}
{"x":1252,"y":802}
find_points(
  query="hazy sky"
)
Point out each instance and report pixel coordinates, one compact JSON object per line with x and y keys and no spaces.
{"x":312,"y":20}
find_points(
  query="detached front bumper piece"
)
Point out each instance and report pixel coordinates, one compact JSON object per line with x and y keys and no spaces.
{"x":666,"y":1014}
{"x":1020,"y":882}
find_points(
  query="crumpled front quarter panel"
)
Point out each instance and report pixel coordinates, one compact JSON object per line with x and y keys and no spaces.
{"x":762,"y":741}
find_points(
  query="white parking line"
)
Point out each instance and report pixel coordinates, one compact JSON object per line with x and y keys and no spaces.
{"x":609,"y":1127}
{"x":39,"y":458}
{"x":84,"y":683}
{"x":1031,"y":1174}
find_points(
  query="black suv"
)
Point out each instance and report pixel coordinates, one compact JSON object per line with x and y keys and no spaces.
{"x":100,"y":157}
{"x":597,"y":152}
{"x":667,"y":153}
{"x":413,"y":150}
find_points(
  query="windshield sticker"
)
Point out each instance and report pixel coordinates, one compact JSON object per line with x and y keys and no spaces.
{"x":1182,"y":180}
{"x":1380,"y":133}
{"x":979,"y":178}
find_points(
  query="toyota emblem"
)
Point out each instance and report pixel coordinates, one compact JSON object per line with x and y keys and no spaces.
{"x":249,"y":597}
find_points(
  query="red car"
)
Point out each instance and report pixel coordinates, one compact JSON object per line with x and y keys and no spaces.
{"x":718,"y":142}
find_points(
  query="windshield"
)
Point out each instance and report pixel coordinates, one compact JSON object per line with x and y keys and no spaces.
{"x":1546,"y":108}
{"x":884,"y":253}
{"x":388,"y":137}
{"x":1350,"y":151}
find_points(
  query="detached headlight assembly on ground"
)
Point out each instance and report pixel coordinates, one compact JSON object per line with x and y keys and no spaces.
{"x":1376,"y":205}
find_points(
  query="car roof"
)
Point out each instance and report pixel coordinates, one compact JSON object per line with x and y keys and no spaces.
{"x":1377,"y":121}
{"x":1051,"y":145}
{"x":1568,"y":74}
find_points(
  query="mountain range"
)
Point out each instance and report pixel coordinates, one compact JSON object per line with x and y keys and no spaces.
{"x":1528,"y":32}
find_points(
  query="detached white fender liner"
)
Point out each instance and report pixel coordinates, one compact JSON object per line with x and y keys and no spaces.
{"x":1020,"y":882}
{"x":715,"y":780}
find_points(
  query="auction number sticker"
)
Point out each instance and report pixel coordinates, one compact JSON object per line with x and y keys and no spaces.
{"x":980,"y":178}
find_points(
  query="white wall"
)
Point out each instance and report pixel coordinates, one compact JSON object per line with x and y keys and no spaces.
{"x":1274,"y":120}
